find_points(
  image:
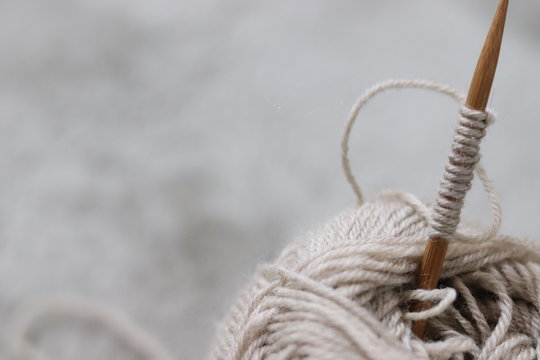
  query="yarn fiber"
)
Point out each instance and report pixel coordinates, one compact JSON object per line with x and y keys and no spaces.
{"x":343,"y":290}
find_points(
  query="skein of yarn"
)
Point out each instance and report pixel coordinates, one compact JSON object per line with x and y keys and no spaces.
{"x":343,"y":290}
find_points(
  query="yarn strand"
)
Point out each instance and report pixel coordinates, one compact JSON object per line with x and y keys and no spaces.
{"x":365,"y":98}
{"x":29,"y":315}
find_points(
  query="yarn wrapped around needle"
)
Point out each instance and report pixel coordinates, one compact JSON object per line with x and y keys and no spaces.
{"x":343,"y":291}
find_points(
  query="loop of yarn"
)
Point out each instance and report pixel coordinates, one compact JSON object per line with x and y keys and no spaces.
{"x":365,"y":98}
{"x":445,"y":297}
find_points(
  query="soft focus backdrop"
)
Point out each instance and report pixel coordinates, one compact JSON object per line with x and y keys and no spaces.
{"x":152,"y":153}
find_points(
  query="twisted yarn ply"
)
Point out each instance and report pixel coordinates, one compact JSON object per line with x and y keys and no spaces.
{"x":342,"y":291}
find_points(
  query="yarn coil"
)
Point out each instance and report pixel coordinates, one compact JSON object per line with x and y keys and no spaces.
{"x":458,"y":173}
{"x":342,"y":291}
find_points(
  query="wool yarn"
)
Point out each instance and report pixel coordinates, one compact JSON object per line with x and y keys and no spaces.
{"x":342,"y":291}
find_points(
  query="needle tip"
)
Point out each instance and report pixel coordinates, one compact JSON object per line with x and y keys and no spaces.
{"x":487,"y":62}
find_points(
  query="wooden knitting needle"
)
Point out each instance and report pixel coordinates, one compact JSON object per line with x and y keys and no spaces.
{"x":477,"y":98}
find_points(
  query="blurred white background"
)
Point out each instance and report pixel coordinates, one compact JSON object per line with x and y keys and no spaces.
{"x":152,"y":153}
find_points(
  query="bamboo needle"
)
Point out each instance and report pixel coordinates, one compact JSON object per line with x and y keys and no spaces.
{"x":477,"y":98}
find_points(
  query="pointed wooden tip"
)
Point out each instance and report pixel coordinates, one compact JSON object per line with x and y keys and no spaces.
{"x":487,"y":62}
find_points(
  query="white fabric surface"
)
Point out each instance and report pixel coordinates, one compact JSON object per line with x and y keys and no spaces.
{"x":153,"y":152}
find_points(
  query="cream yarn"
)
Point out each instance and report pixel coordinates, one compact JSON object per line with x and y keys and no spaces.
{"x":341,"y":292}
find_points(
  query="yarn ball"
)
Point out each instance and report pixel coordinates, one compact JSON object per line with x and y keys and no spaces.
{"x":343,"y":292}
